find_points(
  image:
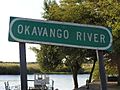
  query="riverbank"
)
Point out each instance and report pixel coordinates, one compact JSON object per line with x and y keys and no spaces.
{"x":13,"y":68}
{"x":96,"y":86}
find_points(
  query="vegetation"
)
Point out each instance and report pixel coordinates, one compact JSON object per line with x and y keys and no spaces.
{"x":33,"y":68}
{"x":95,"y":12}
{"x":8,"y":68}
{"x":14,"y":68}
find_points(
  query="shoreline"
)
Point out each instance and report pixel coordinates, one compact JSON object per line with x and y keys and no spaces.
{"x":96,"y":86}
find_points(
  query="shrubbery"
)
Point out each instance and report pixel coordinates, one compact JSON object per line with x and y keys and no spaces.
{"x":110,"y":70}
{"x":14,"y":69}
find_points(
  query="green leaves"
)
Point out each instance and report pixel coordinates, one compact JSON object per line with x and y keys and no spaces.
{"x":97,"y":12}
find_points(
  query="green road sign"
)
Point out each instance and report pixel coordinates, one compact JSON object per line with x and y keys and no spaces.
{"x":60,"y":33}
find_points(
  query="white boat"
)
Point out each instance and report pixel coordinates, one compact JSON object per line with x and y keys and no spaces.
{"x":8,"y":87}
{"x":41,"y":82}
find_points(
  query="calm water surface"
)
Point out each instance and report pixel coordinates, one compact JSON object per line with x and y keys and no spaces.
{"x":62,"y":82}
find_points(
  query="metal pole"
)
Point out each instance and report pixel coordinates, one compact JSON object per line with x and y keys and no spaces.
{"x":102,"y":70}
{"x":23,"y":68}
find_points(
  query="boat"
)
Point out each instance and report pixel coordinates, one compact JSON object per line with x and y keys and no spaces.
{"x":8,"y":87}
{"x":41,"y":82}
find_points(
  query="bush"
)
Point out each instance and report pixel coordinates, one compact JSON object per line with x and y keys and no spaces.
{"x":96,"y":71}
{"x":33,"y":68}
{"x":111,"y":70}
{"x":63,"y":68}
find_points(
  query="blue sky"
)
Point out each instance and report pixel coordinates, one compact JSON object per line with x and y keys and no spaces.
{"x":9,"y":51}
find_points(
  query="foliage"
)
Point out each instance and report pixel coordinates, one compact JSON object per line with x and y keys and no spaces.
{"x":49,"y":57}
{"x":33,"y":68}
{"x":73,"y":55}
{"x":87,"y":67}
{"x":95,"y":12}
{"x":96,"y":72}
{"x":14,"y":68}
{"x":111,"y":70}
{"x":6,"y":68}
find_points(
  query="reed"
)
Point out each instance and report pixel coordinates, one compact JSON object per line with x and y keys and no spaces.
{"x":14,"y":68}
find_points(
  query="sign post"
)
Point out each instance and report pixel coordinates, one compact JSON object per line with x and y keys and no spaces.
{"x":62,"y":34}
{"x":23,"y":68}
{"x":102,"y":70}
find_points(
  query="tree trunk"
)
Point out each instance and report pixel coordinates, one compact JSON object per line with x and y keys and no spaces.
{"x":75,"y":79}
{"x":75,"y":69}
{"x":91,"y":73}
{"x":118,"y":66}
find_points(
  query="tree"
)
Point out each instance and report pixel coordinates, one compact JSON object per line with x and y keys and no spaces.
{"x":114,"y":22}
{"x":48,"y":57}
{"x":74,"y":58}
{"x":84,"y":12}
{"x":91,"y":12}
{"x":77,"y":12}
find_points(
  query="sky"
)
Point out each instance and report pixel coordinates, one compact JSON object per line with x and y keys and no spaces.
{"x":9,"y":51}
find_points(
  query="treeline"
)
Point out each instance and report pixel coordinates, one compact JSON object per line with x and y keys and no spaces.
{"x":13,"y":68}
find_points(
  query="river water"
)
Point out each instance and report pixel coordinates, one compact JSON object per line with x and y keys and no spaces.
{"x":62,"y":82}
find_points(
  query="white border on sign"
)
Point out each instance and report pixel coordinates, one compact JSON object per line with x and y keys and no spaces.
{"x":64,"y":23}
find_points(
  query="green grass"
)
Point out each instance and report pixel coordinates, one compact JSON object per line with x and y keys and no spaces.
{"x":87,"y":67}
{"x":9,"y":68}
{"x":33,"y":68}
{"x":14,"y":68}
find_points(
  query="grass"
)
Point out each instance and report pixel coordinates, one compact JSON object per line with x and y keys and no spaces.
{"x":87,"y":67}
{"x":33,"y":68}
{"x":9,"y":68}
{"x":14,"y":68}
